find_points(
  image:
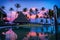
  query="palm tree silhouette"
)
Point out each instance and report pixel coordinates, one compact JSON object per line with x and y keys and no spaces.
{"x":3,"y":14}
{"x":55,"y":18}
{"x":58,"y":14}
{"x":2,"y":7}
{"x":11,"y":9}
{"x":50,"y":13}
{"x":17,"y":6}
{"x":25,"y":9}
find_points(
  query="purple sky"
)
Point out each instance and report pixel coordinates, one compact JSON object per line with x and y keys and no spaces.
{"x":48,"y":4}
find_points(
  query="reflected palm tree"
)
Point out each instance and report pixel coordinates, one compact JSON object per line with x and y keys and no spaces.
{"x":42,"y":29}
{"x":47,"y":28}
{"x":17,"y":6}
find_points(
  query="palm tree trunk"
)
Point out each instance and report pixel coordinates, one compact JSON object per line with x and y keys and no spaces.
{"x":1,"y":17}
{"x":10,"y":16}
{"x":56,"y":27}
{"x":17,"y":10}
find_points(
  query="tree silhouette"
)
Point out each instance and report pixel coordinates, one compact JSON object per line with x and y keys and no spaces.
{"x":25,"y":9}
{"x":2,"y":14}
{"x":11,"y":9}
{"x":55,"y":17}
{"x":58,"y":14}
{"x":2,"y":7}
{"x":51,"y":14}
{"x":17,"y":6}
{"x":36,"y":10}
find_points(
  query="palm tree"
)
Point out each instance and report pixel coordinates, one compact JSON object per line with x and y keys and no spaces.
{"x":25,"y":9}
{"x":58,"y":14}
{"x":55,"y":17}
{"x":51,"y":14}
{"x":11,"y":9}
{"x":17,"y":6}
{"x":2,"y":14}
{"x":2,"y":7}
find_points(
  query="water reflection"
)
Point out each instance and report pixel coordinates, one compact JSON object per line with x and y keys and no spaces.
{"x":43,"y":29}
{"x":35,"y":32}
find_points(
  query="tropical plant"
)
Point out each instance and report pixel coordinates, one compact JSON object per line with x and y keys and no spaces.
{"x":25,"y":9}
{"x":51,"y":14}
{"x":11,"y":9}
{"x":2,"y":7}
{"x":17,"y":6}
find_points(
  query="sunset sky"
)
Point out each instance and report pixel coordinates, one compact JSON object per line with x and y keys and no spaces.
{"x":48,"y":4}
